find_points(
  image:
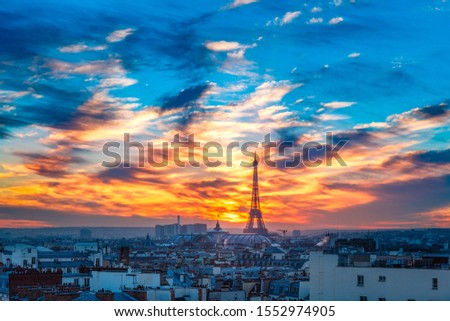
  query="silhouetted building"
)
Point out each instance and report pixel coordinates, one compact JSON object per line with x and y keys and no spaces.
{"x":194,"y":228}
{"x":166,"y":231}
{"x":125,"y":255}
{"x":369,"y":245}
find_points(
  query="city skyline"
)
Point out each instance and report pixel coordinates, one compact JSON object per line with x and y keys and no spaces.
{"x":76,"y":75}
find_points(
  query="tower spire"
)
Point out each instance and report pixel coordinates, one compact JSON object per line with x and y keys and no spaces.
{"x":255,"y":188}
{"x":218,"y":228}
{"x":255,"y":223}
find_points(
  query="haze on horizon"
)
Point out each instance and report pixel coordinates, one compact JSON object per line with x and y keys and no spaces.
{"x":75,"y":75}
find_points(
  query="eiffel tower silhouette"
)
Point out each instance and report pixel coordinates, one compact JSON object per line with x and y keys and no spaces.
{"x":255,"y":223}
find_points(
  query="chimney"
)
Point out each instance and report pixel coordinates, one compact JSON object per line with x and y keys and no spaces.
{"x":105,"y":296}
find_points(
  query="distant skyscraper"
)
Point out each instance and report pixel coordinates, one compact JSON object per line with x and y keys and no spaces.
{"x":196,"y":228}
{"x":166,"y":231}
{"x":255,"y":223}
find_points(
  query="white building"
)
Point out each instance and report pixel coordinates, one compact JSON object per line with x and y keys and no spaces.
{"x":330,"y":282}
{"x":68,"y":261}
{"x":19,"y":254}
{"x":116,"y":280}
{"x":78,"y":279}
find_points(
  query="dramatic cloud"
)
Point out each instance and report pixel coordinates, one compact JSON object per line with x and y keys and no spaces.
{"x":421,"y":158}
{"x":6,"y":123}
{"x":51,"y":165}
{"x":433,"y":156}
{"x":431,"y":111}
{"x":417,"y":196}
{"x":132,"y":174}
{"x":421,"y":118}
{"x":209,"y":188}
{"x":356,"y":137}
{"x":70,"y":85}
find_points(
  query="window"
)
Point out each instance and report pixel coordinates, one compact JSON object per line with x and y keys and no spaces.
{"x":33,"y":260}
{"x":381,"y":299}
{"x":86,"y":282}
{"x":25,"y":262}
{"x":363,"y":298}
{"x":382,"y":278}
{"x":76,"y":281}
{"x":435,"y":283}
{"x":360,"y":280}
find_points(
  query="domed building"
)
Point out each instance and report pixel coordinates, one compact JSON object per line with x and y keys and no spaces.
{"x":247,"y":240}
{"x":218,"y":233}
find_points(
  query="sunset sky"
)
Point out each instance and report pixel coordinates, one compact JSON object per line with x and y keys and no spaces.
{"x":75,"y":75}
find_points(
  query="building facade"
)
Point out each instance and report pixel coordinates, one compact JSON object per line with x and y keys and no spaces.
{"x":332,"y":281}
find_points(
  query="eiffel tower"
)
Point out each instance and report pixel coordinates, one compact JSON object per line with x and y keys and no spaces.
{"x":255,"y":223}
